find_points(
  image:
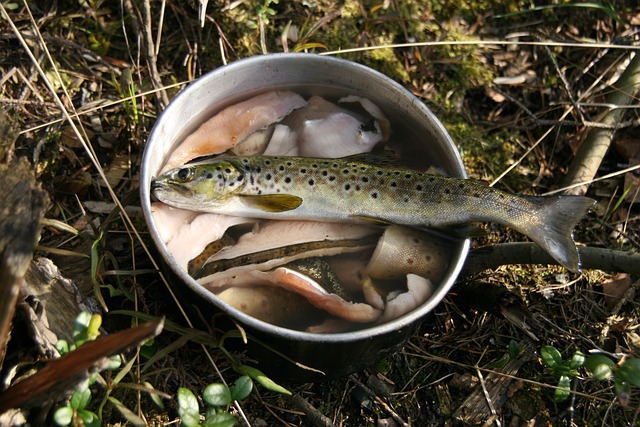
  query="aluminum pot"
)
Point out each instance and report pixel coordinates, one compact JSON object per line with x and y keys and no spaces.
{"x":335,"y":354}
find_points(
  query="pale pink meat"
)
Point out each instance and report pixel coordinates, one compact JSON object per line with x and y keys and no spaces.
{"x":233,"y":124}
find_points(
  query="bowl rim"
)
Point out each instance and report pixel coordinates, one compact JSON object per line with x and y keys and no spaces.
{"x":366,"y":333}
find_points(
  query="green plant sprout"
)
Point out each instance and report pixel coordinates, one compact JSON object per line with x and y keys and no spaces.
{"x":563,"y":370}
{"x":625,"y":373}
{"x":75,"y":412}
{"x":217,"y":398}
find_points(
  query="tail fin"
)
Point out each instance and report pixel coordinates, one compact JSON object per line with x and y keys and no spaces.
{"x":553,"y":232}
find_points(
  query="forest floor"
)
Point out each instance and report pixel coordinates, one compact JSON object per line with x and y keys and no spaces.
{"x":518,"y":87}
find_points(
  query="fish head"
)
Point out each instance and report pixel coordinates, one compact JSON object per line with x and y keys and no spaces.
{"x":199,"y":186}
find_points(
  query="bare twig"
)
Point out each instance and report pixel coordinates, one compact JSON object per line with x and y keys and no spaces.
{"x":163,"y":98}
{"x":588,"y":158}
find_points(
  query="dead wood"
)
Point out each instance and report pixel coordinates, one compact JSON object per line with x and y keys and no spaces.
{"x":22,"y":208}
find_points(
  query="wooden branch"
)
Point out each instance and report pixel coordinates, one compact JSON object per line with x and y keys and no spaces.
{"x":585,"y":164}
{"x":490,"y":257}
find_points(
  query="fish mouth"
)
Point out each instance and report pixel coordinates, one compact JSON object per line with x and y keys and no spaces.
{"x":159,"y":185}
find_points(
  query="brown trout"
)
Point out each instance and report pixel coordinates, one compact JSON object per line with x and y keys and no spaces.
{"x":346,"y":190}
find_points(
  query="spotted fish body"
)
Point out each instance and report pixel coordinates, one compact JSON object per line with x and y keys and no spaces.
{"x":346,"y":190}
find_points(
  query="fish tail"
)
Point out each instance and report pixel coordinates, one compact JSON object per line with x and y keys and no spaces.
{"x":553,"y":230}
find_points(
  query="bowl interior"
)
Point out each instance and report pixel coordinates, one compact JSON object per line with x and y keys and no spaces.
{"x":415,"y":130}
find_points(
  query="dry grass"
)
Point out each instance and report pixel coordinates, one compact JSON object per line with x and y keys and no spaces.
{"x":85,"y":81}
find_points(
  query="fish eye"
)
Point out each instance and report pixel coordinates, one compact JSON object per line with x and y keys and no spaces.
{"x":184,"y":174}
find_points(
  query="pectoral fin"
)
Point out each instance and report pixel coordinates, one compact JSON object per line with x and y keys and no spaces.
{"x":272,"y":202}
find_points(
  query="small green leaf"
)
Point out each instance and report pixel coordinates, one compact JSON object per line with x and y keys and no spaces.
{"x":188,"y":408}
{"x":114,"y":362}
{"x":629,"y":371}
{"x":63,"y":415}
{"x":220,"y":419}
{"x":63,"y":347}
{"x":600,"y":366}
{"x":127,"y":413}
{"x":93,"y":328}
{"x":241,"y":388}
{"x":80,"y":327}
{"x":551,"y":356}
{"x":156,"y":399}
{"x":620,"y":386}
{"x":262,"y":379}
{"x":80,"y":398}
{"x":217,"y":394}
{"x":561,"y":394}
{"x":89,"y":419}
{"x":514,"y":349}
{"x":577,"y":360}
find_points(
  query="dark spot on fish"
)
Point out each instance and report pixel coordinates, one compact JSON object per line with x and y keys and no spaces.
{"x":380,"y":173}
{"x":393,"y":184}
{"x":280,"y":168}
{"x":419,"y":187}
{"x":381,"y":182}
{"x":374,"y":195}
{"x":325,"y":173}
{"x":461,"y":185}
{"x":332,"y":178}
{"x":476,"y":195}
{"x":287,"y":179}
{"x":447,"y":191}
{"x":311,"y":182}
{"x":357,"y":188}
{"x":289,"y":164}
{"x":347,"y":187}
{"x":267,"y":162}
{"x":365,"y":179}
{"x":431,"y":179}
{"x":231,"y":184}
{"x":227,"y":170}
{"x":259,"y":192}
{"x":408,"y":176}
{"x":220,"y":177}
{"x":406,"y":200}
{"x":345,"y":171}
{"x":208,"y":175}
{"x":240,"y":177}
{"x":410,"y":261}
{"x":245,"y":161}
{"x":314,"y":165}
{"x":362,"y":168}
{"x":335,"y":165}
{"x":396,"y":173}
{"x":427,"y":258}
{"x":258,"y":169}
{"x":501,"y":196}
{"x":303,"y":170}
{"x":268,"y":177}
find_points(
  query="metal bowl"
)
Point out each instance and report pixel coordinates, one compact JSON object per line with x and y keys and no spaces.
{"x":425,"y":138}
